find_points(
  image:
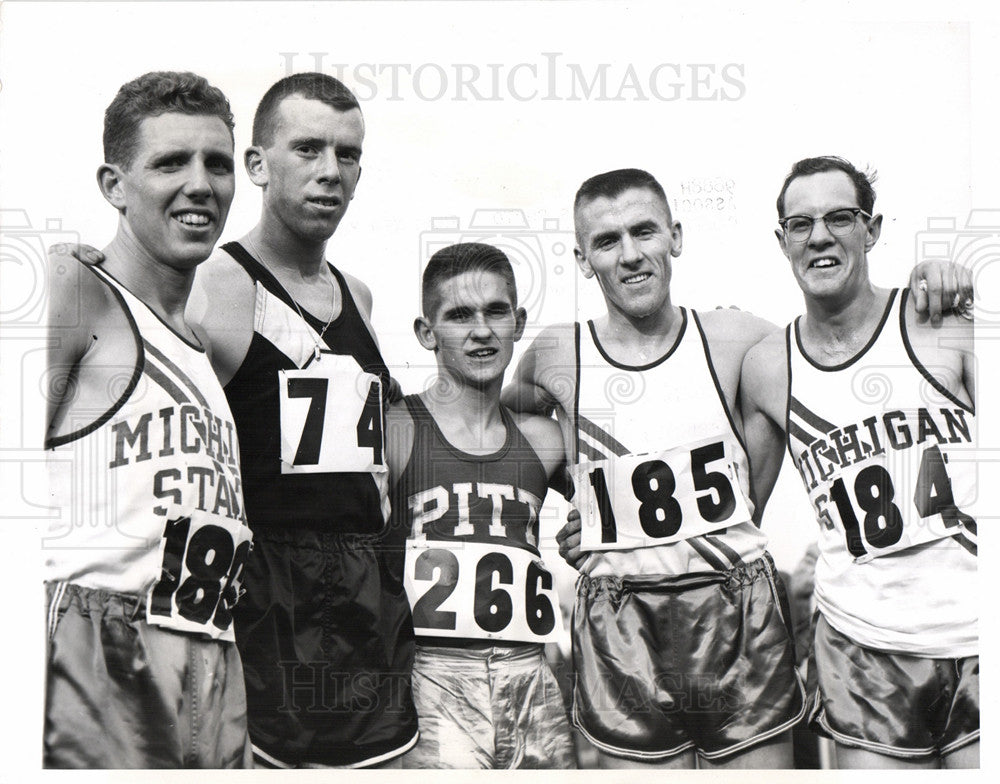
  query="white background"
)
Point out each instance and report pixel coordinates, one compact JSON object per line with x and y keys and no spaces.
{"x":909,"y":89}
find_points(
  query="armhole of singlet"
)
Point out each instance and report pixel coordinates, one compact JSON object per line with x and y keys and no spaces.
{"x":718,"y":386}
{"x":348,"y":301}
{"x":788,"y":390}
{"x":920,"y":365}
{"x":575,"y":418}
{"x":140,"y":360}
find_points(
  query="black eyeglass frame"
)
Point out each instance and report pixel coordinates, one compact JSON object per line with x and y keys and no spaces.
{"x":855,"y":211}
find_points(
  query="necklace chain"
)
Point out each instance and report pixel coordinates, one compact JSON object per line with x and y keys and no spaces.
{"x":318,"y":342}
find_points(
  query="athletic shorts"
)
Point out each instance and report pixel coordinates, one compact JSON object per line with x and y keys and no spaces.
{"x":891,"y":703}
{"x":121,"y":693}
{"x":327,"y":645}
{"x":701,"y":661}
{"x":496,"y":707}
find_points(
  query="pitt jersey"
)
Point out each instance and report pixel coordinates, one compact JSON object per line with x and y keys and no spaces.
{"x":470,"y":525}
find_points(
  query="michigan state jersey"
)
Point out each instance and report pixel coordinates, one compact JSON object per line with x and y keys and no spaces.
{"x":469,"y":524}
{"x":310,"y":420}
{"x":661,"y":474}
{"x":884,"y":451}
{"x":150,"y":489}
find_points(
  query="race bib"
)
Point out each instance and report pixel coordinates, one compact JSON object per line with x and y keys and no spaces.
{"x":203,"y":558}
{"x":877,"y":517}
{"x":659,"y":497}
{"x":331,"y":418}
{"x":485,"y":591}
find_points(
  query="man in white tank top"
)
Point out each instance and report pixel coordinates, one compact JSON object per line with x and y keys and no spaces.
{"x":878,"y":409}
{"x":673,"y":564}
{"x":143,"y":565}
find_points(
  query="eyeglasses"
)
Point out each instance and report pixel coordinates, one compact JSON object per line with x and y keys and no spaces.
{"x":840,"y":223}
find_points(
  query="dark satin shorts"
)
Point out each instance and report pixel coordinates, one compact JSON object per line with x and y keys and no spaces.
{"x":891,"y":703}
{"x":666,"y":664}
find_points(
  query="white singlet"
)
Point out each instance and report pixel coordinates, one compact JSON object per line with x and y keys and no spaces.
{"x":149,"y":490}
{"x":884,"y":450}
{"x":655,"y":421}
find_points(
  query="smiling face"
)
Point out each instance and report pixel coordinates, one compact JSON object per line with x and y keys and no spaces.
{"x":826,"y":265}
{"x":626,"y":242}
{"x":474,"y":327}
{"x":175,"y":194}
{"x":310,"y":168}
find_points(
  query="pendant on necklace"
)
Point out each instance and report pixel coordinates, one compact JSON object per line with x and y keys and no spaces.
{"x":316,"y":353}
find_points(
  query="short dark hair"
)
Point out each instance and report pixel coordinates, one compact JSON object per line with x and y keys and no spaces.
{"x":311,"y":85}
{"x":614,"y":183}
{"x":863,"y":181}
{"x":151,"y":95}
{"x":455,"y":260}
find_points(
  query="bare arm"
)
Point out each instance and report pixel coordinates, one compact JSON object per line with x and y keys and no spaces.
{"x":221,"y":307}
{"x":546,"y":374}
{"x":363,"y":298}
{"x":74,"y":297}
{"x":763,"y":400}
{"x":399,"y":429}
{"x":545,"y":438}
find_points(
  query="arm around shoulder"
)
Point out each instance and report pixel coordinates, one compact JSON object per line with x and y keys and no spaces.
{"x":221,"y":308}
{"x":546,"y":375}
{"x":545,"y":438}
{"x":763,"y":401}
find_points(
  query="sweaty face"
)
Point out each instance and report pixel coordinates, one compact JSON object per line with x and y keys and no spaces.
{"x":627,"y":243}
{"x":179,"y":186}
{"x":826,"y":264}
{"x":475,"y":327}
{"x":311,"y":166}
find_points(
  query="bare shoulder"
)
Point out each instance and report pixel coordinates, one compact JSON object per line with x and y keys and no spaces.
{"x":766,"y":360}
{"x":735,"y":327}
{"x":71,"y":287}
{"x":542,"y":432}
{"x":555,"y":340}
{"x":223,"y":277}
{"x":221,"y":311}
{"x":361,"y":293}
{"x":78,"y":303}
{"x":552,"y":355}
{"x":545,"y":437}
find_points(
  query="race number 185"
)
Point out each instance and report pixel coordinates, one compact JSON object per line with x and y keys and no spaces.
{"x":660,"y":497}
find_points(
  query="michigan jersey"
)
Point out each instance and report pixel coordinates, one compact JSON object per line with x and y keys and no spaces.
{"x":883,"y":450}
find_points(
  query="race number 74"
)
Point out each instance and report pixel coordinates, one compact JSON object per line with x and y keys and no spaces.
{"x":331,"y":418}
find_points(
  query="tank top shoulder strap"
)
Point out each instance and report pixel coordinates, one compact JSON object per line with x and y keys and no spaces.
{"x":122,"y":296}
